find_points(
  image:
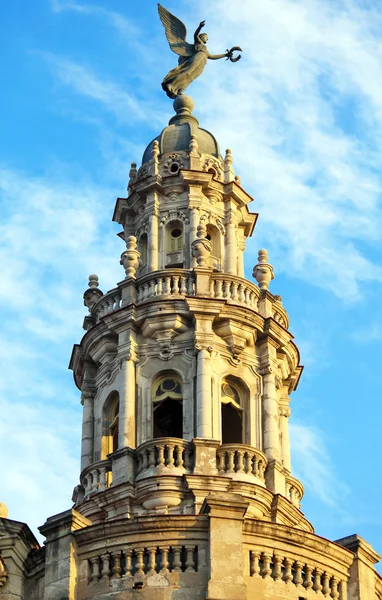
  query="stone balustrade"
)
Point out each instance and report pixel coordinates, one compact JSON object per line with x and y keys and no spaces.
{"x":269,"y":564}
{"x":234,"y":289}
{"x":294,"y":490}
{"x":164,"y":455}
{"x":236,"y":460}
{"x":97,"y":477}
{"x":107,"y":304}
{"x":141,"y":561}
{"x":169,"y":282}
{"x":279,"y":314}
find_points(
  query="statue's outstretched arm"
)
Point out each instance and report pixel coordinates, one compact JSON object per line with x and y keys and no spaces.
{"x":217,"y":56}
{"x":196,"y":34}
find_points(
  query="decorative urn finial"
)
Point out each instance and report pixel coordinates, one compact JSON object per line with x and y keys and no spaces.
{"x":201,"y":248}
{"x":263,"y":271}
{"x":92,"y":294}
{"x":130,"y":257}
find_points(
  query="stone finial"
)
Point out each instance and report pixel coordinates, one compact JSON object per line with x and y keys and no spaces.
{"x":155,"y":150}
{"x":133,"y":173}
{"x":93,"y":281}
{"x":238,"y":179}
{"x":201,"y":248}
{"x":130,"y":258}
{"x":263,"y":271}
{"x":229,"y":173}
{"x":92,"y":294}
{"x":3,"y":510}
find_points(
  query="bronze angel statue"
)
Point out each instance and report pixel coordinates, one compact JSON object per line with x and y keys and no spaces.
{"x":192,"y":57}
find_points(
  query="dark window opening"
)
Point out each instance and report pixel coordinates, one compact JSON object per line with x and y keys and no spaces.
{"x":232,"y":425}
{"x":168,"y":419}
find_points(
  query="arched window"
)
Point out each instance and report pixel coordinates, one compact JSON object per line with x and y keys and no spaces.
{"x":167,"y":407}
{"x":110,"y":424}
{"x":232,"y":412}
{"x":214,"y":236}
{"x":174,"y":245}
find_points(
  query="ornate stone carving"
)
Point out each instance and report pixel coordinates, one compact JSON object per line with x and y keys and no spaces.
{"x":130,"y":258}
{"x":263,"y":271}
{"x":201,"y":248}
{"x":132,"y":177}
{"x":173,"y":163}
{"x":212,"y":165}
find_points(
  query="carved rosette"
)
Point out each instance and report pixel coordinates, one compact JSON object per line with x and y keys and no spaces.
{"x":201,"y":248}
{"x":130,"y":258}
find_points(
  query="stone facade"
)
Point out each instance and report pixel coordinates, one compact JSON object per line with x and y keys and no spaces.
{"x":185,"y":371}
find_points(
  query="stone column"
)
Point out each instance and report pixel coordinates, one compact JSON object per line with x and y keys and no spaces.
{"x":270,"y":415}
{"x":194,"y":221}
{"x":126,"y":436}
{"x":240,"y":259}
{"x":203,"y":395}
{"x":152,"y":258}
{"x":231,"y":249}
{"x":284,"y":431}
{"x":87,"y":442}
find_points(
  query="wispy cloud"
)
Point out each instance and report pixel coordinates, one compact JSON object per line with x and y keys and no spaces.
{"x":314,"y":467}
{"x":116,"y":20}
{"x":306,"y":96}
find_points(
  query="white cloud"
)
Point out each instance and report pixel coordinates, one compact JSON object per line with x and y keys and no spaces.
{"x":313,"y":466}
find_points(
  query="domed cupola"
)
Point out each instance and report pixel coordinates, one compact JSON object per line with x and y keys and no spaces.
{"x":176,"y":137}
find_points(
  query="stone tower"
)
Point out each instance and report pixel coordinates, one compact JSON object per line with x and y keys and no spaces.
{"x":185,"y":372}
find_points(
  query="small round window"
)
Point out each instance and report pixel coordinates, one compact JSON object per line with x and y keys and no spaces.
{"x":174,"y":167}
{"x":176,"y":233}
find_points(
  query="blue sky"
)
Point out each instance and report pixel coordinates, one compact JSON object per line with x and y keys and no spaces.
{"x":302,"y":113}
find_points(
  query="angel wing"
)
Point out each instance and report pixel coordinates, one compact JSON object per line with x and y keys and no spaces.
{"x":176,"y":33}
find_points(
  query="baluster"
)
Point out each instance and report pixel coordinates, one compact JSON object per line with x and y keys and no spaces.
{"x":95,"y":574}
{"x":241,"y":293}
{"x":230,"y":465}
{"x":325,"y":584}
{"x":183,"y":285}
{"x":266,"y":572}
{"x":95,"y":480}
{"x":218,"y":289}
{"x":190,"y":286}
{"x":86,"y":484}
{"x":190,"y":565}
{"x":234,"y":295}
{"x":212,"y":288}
{"x":297,"y":580}
{"x":167,"y":285}
{"x":252,"y":299}
{"x":117,"y":564}
{"x":239,"y":466}
{"x":147,"y":290}
{"x":102,"y":478}
{"x":177,"y":563}
{"x":247,"y":296}
{"x":160,"y":286}
{"x":288,"y":570}
{"x":175,"y":283}
{"x":226,"y":290}
{"x":317,"y":580}
{"x":277,"y":560}
{"x":254,"y":465}
{"x":152,"y":560}
{"x":140,"y":564}
{"x":178,"y":456}
{"x":160,"y":455}
{"x":128,"y":556}
{"x":187,"y":458}
{"x":139,"y":297}
{"x":152,"y":457}
{"x":105,"y":558}
{"x":334,"y":588}
{"x":164,"y":560}
{"x":254,"y":567}
{"x":221,"y":462}
{"x":145,"y":460}
{"x":170,"y":455}
{"x":261,"y":469}
{"x":152,"y":288}
{"x":308,"y":583}
{"x":247,"y":463}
